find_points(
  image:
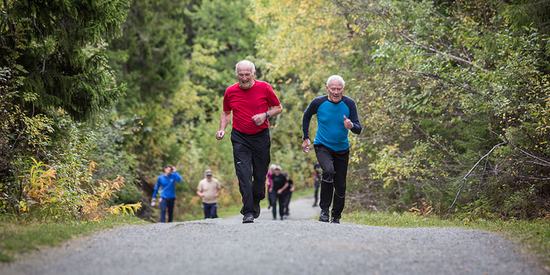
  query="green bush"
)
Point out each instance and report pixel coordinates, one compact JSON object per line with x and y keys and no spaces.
{"x":128,"y":195}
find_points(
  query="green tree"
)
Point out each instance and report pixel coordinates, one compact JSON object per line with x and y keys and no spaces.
{"x":58,"y":47}
{"x":53,"y":74}
{"x":453,"y":96}
{"x":177,"y":59}
{"x":149,"y":59}
{"x":461,"y":86}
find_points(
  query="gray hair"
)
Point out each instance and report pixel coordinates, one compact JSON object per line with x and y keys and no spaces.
{"x":245,"y":61}
{"x":336,"y":77}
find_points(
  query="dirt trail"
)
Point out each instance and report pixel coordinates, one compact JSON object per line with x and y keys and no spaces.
{"x":297,"y":245}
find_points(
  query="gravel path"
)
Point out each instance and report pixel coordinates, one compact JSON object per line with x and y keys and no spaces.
{"x":297,"y":245}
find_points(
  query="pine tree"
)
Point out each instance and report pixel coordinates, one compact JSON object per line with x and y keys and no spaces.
{"x":59,"y":49}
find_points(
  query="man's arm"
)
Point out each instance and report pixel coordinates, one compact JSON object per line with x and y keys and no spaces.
{"x":219,"y":187}
{"x":282,"y":188}
{"x":224,"y":121}
{"x":275,"y":110}
{"x":155,"y":191}
{"x":199,"y":189}
{"x":176,"y":175}
{"x":354,"y":125}
{"x":306,"y":119}
{"x":259,"y":119}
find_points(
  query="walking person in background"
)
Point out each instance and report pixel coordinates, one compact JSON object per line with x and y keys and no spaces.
{"x":287,"y":194}
{"x":269,"y":183}
{"x":209,"y":190}
{"x":279,"y":185}
{"x":252,"y":103}
{"x":316,"y":182}
{"x":336,"y":116}
{"x":167,"y":198}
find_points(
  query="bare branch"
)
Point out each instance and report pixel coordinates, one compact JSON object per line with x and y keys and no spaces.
{"x":43,"y":42}
{"x":468,"y":174}
{"x":543,"y":162}
{"x":459,"y":59}
{"x":435,"y":76}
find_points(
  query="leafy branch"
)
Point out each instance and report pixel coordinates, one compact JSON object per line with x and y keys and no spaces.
{"x":422,"y":46}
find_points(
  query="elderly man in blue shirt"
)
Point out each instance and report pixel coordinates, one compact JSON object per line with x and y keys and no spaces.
{"x":336,"y":116}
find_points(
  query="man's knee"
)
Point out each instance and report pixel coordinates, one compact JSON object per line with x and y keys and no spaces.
{"x":328,"y":175}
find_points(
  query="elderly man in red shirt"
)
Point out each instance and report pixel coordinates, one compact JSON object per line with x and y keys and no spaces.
{"x":252,"y":102}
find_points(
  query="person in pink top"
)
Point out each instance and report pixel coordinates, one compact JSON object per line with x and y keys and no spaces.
{"x":252,"y":103}
{"x":269,"y":183}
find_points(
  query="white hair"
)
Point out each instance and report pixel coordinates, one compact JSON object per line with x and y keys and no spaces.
{"x":336,"y":77}
{"x":245,"y":61}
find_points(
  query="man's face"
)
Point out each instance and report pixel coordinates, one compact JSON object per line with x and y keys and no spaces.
{"x":335,"y":91}
{"x":277,"y":172}
{"x":168,"y":169}
{"x":245,"y":76}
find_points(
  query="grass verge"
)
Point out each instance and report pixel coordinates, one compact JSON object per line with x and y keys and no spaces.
{"x":532,"y":236}
{"x":25,"y":236}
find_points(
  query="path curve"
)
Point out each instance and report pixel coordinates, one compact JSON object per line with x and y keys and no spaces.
{"x":297,"y":245}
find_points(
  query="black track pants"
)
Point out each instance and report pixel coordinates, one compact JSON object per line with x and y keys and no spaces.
{"x":335,"y":169}
{"x":252,"y":156}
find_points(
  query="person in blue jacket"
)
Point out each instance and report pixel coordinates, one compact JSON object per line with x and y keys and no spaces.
{"x":336,"y":116}
{"x":167,"y":184}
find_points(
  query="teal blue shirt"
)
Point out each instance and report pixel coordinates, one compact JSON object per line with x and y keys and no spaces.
{"x":331,"y":131}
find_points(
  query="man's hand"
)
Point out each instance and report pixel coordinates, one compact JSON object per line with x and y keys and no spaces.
{"x":259,"y":119}
{"x":306,"y":145}
{"x":220,"y":135}
{"x":347,"y":123}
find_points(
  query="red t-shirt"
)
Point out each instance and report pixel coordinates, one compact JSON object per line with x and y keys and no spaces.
{"x":247,"y":103}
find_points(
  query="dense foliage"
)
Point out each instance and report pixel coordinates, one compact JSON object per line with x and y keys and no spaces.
{"x":454,"y":98}
{"x":54,"y":75}
{"x":453,"y":95}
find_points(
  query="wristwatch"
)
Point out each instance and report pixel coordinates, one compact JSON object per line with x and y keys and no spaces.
{"x":266,"y":115}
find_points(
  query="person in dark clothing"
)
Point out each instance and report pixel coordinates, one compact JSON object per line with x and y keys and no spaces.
{"x":252,"y":104}
{"x":316,"y":182}
{"x":270,"y":196}
{"x":279,"y":185}
{"x":336,"y":116}
{"x":287,"y":193}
